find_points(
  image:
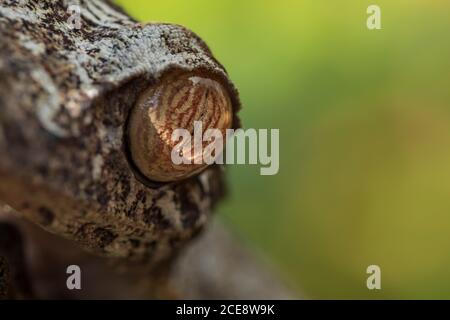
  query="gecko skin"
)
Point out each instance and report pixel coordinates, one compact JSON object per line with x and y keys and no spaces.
{"x":65,"y":96}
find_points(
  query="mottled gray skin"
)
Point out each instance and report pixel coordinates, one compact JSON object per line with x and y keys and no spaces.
{"x":65,"y":95}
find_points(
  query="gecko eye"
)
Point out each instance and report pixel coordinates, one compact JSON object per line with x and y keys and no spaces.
{"x":189,"y":102}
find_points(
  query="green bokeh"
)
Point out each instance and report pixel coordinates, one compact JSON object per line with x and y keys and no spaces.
{"x":364,"y":119}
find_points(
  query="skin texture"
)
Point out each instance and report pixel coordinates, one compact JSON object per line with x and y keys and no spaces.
{"x":66,"y":95}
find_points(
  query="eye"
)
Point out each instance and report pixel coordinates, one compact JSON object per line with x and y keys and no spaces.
{"x":177,"y":101}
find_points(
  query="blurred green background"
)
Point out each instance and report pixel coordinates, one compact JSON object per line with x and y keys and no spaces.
{"x":364,"y":119}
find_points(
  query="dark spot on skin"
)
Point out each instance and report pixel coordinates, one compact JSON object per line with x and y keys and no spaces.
{"x":174,"y":242}
{"x":189,"y":210}
{"x":46,"y":216}
{"x":131,"y":211}
{"x":140,"y":198}
{"x":43,"y":170}
{"x":125,"y":190}
{"x":103,"y":197}
{"x":135,"y":243}
{"x":154,"y":216}
{"x":104,"y":237}
{"x":196,"y":232}
{"x":94,"y":237}
{"x":159,"y":196}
